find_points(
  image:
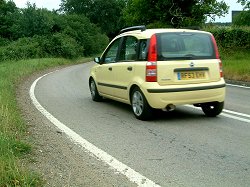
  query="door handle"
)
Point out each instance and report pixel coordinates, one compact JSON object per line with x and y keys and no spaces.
{"x":129,"y":68}
{"x":110,"y":68}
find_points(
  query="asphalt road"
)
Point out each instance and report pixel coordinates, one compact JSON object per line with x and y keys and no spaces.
{"x":179,"y":148}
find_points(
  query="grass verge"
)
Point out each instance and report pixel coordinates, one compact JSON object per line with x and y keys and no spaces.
{"x":12,"y":127}
{"x":236,"y":65}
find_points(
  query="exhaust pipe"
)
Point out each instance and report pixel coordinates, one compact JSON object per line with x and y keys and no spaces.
{"x":169,"y":108}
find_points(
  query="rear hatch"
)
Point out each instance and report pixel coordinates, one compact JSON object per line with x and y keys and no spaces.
{"x":187,"y":58}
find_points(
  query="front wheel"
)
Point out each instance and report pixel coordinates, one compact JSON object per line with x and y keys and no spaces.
{"x":140,"y":106}
{"x":212,"y":109}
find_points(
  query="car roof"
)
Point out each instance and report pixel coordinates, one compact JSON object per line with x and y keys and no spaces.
{"x":149,"y":32}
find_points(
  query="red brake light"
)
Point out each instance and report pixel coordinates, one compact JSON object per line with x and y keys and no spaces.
{"x":152,"y":52}
{"x":217,"y":55}
{"x":151,"y":67}
{"x":215,"y":48}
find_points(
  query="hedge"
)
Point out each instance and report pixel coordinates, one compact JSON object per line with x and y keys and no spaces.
{"x":231,"y":37}
{"x":57,"y":45}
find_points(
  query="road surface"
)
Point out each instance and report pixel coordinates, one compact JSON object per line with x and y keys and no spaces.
{"x":179,"y":148}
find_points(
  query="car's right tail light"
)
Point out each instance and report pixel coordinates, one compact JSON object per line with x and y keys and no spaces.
{"x":151,"y":66}
{"x":217,"y":55}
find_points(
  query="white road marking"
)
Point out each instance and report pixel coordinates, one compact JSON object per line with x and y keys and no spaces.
{"x":115,"y":164}
{"x":235,"y":117}
{"x":236,"y":113}
{"x":233,"y":85}
{"x":224,"y":113}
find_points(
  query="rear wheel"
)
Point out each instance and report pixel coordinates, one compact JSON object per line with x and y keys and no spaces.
{"x":140,"y":106}
{"x":212,"y":109}
{"x":93,"y":90}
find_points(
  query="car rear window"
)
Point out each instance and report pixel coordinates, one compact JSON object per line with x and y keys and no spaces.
{"x":185,"y":45}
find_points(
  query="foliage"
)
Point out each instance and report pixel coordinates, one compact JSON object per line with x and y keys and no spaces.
{"x":231,"y":37}
{"x":39,"y":33}
{"x":242,"y":19}
{"x":8,"y":11}
{"x":56,"y":45}
{"x":4,"y":41}
{"x":172,"y":13}
{"x":105,"y":14}
{"x":85,"y":33}
{"x":245,"y":3}
{"x":32,"y":21}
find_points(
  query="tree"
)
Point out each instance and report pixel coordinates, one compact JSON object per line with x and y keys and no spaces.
{"x":105,"y":14}
{"x":172,"y":13}
{"x":8,"y":15}
{"x":245,"y":3}
{"x":33,"y":21}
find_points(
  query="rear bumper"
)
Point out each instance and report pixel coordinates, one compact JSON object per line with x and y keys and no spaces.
{"x":160,"y":97}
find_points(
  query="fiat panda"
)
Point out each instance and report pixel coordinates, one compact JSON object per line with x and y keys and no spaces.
{"x":160,"y":69}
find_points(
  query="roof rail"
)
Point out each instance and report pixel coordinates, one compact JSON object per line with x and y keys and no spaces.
{"x":141,"y":27}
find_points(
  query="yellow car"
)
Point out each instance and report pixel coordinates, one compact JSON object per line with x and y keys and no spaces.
{"x":160,"y":69}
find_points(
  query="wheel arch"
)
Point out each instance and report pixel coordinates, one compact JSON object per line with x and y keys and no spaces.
{"x":90,"y":78}
{"x":132,"y":87}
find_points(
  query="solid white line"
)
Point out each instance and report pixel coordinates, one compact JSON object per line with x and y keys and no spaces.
{"x":228,"y":115}
{"x":235,"y":117}
{"x":118,"y":166}
{"x":236,"y":113}
{"x":234,"y":85}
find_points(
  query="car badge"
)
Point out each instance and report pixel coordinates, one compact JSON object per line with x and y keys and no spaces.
{"x":191,"y":64}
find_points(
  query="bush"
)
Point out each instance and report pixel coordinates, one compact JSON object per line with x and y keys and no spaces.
{"x":57,"y":45}
{"x":63,"y":45}
{"x":4,"y":41}
{"x":22,"y":49}
{"x":71,"y":36}
{"x":231,"y":37}
{"x":85,"y":33}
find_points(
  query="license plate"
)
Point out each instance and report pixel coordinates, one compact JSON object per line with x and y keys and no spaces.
{"x":191,"y":75}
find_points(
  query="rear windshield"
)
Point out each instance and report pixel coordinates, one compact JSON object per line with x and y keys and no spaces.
{"x":173,"y":46}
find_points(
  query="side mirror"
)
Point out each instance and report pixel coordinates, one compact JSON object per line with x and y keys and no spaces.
{"x":97,"y":60}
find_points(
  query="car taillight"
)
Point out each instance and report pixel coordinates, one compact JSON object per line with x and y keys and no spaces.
{"x":151,"y":72}
{"x":221,"y":71}
{"x":217,"y":55}
{"x":151,"y":66}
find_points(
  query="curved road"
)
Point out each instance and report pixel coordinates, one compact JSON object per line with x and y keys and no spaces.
{"x":180,"y":148}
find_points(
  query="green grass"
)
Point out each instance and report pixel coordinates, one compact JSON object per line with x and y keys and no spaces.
{"x":13,"y":129}
{"x":236,"y":65}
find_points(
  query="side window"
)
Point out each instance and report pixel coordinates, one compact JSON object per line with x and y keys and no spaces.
{"x":143,"y":50}
{"x":129,"y":49}
{"x":111,"y":53}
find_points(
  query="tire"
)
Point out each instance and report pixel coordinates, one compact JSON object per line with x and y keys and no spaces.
{"x":94,"y":92}
{"x":212,"y":109}
{"x":140,"y":106}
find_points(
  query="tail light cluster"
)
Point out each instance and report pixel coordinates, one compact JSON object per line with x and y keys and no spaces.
{"x":151,"y":66}
{"x":217,"y":55}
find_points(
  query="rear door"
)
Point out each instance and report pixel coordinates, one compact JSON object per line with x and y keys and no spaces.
{"x":186,"y":58}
